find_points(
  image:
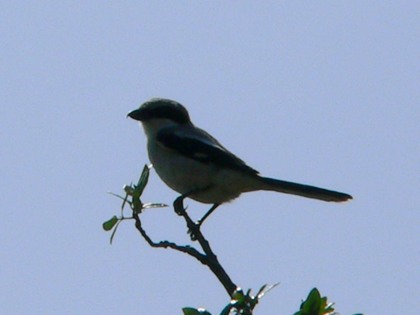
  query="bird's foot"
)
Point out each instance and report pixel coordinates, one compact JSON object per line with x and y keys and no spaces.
{"x":179,"y":205}
{"x":194,"y":230}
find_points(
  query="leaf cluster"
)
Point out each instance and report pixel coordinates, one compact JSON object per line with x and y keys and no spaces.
{"x":132,"y":198}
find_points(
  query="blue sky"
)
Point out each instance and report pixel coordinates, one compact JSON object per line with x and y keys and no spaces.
{"x":323,"y":93}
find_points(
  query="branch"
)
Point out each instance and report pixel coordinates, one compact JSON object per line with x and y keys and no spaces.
{"x":210,"y":259}
{"x":166,"y":244}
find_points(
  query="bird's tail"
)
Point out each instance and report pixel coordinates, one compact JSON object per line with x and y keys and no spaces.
{"x":303,"y":190}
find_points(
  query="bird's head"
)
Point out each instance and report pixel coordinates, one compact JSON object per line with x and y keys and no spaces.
{"x":159,"y":113}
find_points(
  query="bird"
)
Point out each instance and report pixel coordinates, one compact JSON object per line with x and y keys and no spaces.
{"x":196,"y":165}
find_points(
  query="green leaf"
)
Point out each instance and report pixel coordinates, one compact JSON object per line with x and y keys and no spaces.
{"x":113,"y":232}
{"x":154,"y":205}
{"x":136,"y":203}
{"x":115,"y":195}
{"x":312,"y":304}
{"x":315,"y":305}
{"x":108,"y":225}
{"x":194,"y":311}
{"x":190,"y":311}
{"x":238,"y":295}
{"x":265,"y":289}
{"x":227,"y":309}
{"x":144,"y":178}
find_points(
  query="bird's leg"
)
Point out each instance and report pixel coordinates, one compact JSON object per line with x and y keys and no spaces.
{"x":199,"y":222}
{"x":193,"y":228}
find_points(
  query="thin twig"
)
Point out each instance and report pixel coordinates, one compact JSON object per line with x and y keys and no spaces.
{"x":166,"y":244}
{"x":208,"y":258}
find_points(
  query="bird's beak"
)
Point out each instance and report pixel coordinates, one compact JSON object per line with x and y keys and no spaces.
{"x":136,"y":114}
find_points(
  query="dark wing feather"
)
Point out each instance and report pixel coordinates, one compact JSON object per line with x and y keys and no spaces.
{"x":201,"y":147}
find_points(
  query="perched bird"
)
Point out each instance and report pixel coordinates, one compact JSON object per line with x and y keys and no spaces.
{"x":196,"y":165}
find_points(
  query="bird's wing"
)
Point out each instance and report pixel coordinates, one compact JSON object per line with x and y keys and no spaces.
{"x":199,"y":145}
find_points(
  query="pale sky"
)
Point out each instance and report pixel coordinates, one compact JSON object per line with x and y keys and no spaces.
{"x":318,"y":92}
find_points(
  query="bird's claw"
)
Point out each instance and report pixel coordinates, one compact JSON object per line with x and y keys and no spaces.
{"x":179,"y":205}
{"x":192,"y":231}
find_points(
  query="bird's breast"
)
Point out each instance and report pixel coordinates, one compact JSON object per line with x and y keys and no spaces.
{"x":184,"y":175}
